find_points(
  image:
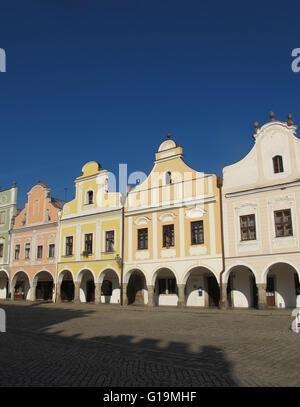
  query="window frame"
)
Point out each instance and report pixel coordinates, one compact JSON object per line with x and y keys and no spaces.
{"x":67,"y":245}
{"x":106,"y":241}
{"x":37,"y":251}
{"x":172,"y":237}
{"x":278,"y":161}
{"x":283,"y":223}
{"x":51,"y":245}
{"x":192,"y":235}
{"x":86,"y":243}
{"x":26,"y":250}
{"x":17,"y":251}
{"x":1,"y":250}
{"x":248,"y":227}
{"x":142,"y":239}
{"x":2,"y":216}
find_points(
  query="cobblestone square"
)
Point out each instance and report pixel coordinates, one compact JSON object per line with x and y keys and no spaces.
{"x":70,"y":344}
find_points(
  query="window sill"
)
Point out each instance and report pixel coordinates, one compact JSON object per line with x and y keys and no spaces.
{"x":68,"y":255}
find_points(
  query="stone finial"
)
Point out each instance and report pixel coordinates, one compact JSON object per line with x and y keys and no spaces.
{"x":14,"y":184}
{"x":168,"y":136}
{"x":271,"y":116}
{"x":256,"y":126}
{"x":290,"y":121}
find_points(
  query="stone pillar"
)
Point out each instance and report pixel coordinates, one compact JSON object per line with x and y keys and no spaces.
{"x":181,"y":295}
{"x":12,"y":292}
{"x":125,"y":299}
{"x":261,"y":293}
{"x":76,"y":292}
{"x":58,"y":292}
{"x":224,"y":301}
{"x":33,"y":291}
{"x":98,"y":293}
{"x":151,"y":299}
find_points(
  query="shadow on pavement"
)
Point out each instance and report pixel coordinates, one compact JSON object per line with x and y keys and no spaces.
{"x":31,"y":356}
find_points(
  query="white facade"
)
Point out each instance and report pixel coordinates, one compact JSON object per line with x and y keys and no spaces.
{"x":253,"y":190}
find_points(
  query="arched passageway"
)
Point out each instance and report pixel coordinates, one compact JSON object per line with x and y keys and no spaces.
{"x":110,"y":287}
{"x":137,"y":288}
{"x":67,"y":286}
{"x":165,"y":287}
{"x":241,"y":288}
{"x":282,"y":286}
{"x":43,"y":283}
{"x":87,"y":286}
{"x":201,"y":288}
{"x":20,"y":286}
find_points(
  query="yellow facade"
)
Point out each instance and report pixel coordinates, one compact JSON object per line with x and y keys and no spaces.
{"x":177,"y":196}
{"x":90,"y":241}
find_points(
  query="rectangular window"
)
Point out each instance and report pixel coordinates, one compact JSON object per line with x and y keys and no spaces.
{"x":27,"y":250}
{"x":248,"y":231}
{"x":143,"y":239}
{"x":88,"y":243}
{"x":168,"y":236}
{"x":109,"y":241}
{"x":2,"y":218}
{"x":17,"y":252}
{"x":197,"y":232}
{"x":167,"y":286}
{"x":1,"y":249}
{"x":69,"y":245}
{"x":283,"y":223}
{"x":51,"y":250}
{"x":39,"y":252}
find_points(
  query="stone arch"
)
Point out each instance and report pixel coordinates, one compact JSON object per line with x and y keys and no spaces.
{"x":137,"y":288}
{"x":86,"y":282}
{"x":282,"y":284}
{"x":42,"y":286}
{"x":4,"y":284}
{"x":241,"y":287}
{"x":20,"y":286}
{"x":165,"y":282}
{"x":240,"y":264}
{"x":155,"y":273}
{"x":201,"y":287}
{"x":267,"y":268}
{"x":66,"y":285}
{"x":109,"y":280}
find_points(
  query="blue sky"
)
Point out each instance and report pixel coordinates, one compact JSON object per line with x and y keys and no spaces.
{"x":106,"y":80}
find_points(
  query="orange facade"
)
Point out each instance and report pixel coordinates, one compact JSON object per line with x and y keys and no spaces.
{"x":34,"y":246}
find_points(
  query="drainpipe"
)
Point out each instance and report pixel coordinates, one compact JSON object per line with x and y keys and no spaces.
{"x":58,"y":256}
{"x":219,"y":185}
{"x":122,"y":254}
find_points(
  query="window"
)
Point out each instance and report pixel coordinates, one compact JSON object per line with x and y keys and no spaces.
{"x":90,"y":197}
{"x":109,"y":241}
{"x":283,"y":223}
{"x":168,"y":177}
{"x":247,"y":224}
{"x":168,"y":236}
{"x":27,"y":250}
{"x":2,"y":218}
{"x":39,"y":252}
{"x":143,"y":239}
{"x":88,"y":243}
{"x":17,"y":252}
{"x":277,"y":164}
{"x":197,"y":233}
{"x":1,"y":249}
{"x":167,"y":286}
{"x":51,"y":250}
{"x":69,"y":245}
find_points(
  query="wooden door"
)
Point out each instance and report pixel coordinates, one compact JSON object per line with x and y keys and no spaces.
{"x":270,"y":291}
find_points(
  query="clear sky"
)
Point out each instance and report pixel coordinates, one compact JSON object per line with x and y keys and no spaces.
{"x":106,"y":80}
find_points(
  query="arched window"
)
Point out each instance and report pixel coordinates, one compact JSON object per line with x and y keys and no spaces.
{"x":168,"y":177}
{"x":277,"y":164}
{"x":89,"y":197}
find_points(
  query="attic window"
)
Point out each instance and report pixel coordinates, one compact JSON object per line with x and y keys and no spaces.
{"x":277,"y":164}
{"x":168,"y":178}
{"x":89,"y":197}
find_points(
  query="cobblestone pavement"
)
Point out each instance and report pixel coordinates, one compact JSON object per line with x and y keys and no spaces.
{"x":106,"y":345}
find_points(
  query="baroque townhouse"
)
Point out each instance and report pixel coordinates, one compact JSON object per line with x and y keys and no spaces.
{"x":34,"y":246}
{"x":89,"y":267}
{"x":173,"y":252}
{"x":261,"y":201}
{"x":8,"y":210}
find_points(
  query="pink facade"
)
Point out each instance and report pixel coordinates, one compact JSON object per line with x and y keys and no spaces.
{"x":34,"y":246}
